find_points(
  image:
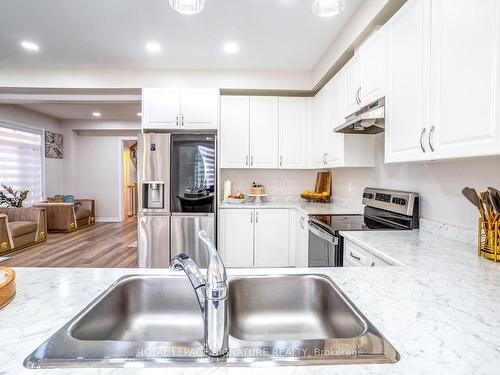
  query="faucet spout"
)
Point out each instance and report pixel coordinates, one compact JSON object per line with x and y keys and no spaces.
{"x":212,"y":296}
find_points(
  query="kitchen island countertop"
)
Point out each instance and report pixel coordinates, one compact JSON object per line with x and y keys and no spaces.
{"x":441,"y":310}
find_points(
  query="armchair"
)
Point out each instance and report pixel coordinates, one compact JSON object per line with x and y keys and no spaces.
{"x":68,"y":217}
{"x":21,"y":227}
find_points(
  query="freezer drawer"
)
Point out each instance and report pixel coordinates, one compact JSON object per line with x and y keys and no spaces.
{"x":184,"y":239}
{"x":153,"y":241}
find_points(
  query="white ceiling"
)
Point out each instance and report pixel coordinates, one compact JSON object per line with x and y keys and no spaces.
{"x":83,"y":111}
{"x":272,"y":34}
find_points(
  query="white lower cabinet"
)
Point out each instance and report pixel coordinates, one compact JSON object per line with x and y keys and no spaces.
{"x":301,"y":240}
{"x":356,"y":256}
{"x":254,"y":238}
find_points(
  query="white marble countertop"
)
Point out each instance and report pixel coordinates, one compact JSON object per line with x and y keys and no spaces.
{"x":441,"y":310}
{"x":302,"y":206}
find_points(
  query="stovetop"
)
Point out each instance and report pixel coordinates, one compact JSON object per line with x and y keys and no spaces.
{"x":352,"y":223}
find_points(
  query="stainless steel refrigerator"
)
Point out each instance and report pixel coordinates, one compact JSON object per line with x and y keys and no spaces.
{"x":177,"y":185}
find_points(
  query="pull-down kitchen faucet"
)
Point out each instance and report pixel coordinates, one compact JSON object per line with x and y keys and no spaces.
{"x":212,"y":295}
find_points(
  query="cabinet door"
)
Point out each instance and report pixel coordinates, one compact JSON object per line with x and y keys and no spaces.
{"x":301,"y":240}
{"x":407,"y":84}
{"x":465,"y":78}
{"x":351,"y":86}
{"x":271,"y":238}
{"x":234,"y":132}
{"x":317,"y":142}
{"x":199,"y":108}
{"x":334,"y":141}
{"x":264,"y":132}
{"x":372,"y":68}
{"x":293,"y":132}
{"x":236,"y":237}
{"x":160,"y":108}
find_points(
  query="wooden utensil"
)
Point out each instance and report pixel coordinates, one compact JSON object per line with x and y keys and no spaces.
{"x":471,"y":196}
{"x":7,"y":286}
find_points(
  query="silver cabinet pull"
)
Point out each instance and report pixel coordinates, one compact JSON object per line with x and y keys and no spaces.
{"x":251,"y":160}
{"x":421,"y":140}
{"x":431,"y":130}
{"x":355,"y":257}
{"x":256,"y":216}
{"x":358,"y":95}
{"x":246,"y":160}
{"x":251,"y":216}
{"x":326,"y":158}
{"x":182,"y":120}
{"x":373,"y":264}
{"x":302,"y":218}
{"x":281,"y":160}
{"x":176,"y":120}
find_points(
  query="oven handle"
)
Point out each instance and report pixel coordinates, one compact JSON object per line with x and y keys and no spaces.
{"x":315,"y":229}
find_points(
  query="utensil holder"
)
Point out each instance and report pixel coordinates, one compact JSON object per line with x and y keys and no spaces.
{"x":488,"y":240}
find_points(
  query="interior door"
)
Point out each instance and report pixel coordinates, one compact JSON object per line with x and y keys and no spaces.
{"x":264,"y":132}
{"x":293,"y":132}
{"x":235,"y":132}
{"x":271,"y":238}
{"x":407,"y":84}
{"x":465,"y":76}
{"x":236,"y":237}
{"x":161,"y":108}
{"x":199,"y":108}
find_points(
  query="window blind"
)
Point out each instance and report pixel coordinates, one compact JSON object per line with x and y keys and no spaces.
{"x":21,"y":161}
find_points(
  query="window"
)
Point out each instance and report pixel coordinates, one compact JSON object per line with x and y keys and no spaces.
{"x":21,"y":161}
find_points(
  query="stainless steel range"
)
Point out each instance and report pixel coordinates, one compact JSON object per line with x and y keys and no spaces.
{"x":384,"y":210}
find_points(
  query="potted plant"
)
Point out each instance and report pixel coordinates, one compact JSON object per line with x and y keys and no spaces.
{"x":13,"y":198}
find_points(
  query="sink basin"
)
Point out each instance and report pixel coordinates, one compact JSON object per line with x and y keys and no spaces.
{"x":155,"y":321}
{"x":290,"y":308}
{"x":144,"y":309}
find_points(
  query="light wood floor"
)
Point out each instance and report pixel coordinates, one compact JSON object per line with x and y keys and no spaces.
{"x":102,"y":245}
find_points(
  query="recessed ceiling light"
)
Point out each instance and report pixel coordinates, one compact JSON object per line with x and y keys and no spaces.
{"x":328,"y":8}
{"x":30,"y":46}
{"x":231,"y":48}
{"x":96,"y":114}
{"x":153,"y":47}
{"x":139,"y":114}
{"x":187,"y":6}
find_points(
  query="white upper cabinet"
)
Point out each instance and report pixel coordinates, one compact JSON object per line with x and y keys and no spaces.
{"x":235,"y":132}
{"x":160,"y":108}
{"x":199,"y":108}
{"x":465,"y":79}
{"x":292,"y":132}
{"x":334,"y":117}
{"x":407,"y":86}
{"x":371,"y":68}
{"x":351,"y":86}
{"x":164,"y":108}
{"x":272,"y":227}
{"x":443,"y":80}
{"x":264,"y":132}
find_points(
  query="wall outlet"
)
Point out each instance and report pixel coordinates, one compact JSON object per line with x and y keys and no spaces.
{"x":279,"y":184}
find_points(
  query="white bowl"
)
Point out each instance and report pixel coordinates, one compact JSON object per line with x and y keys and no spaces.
{"x":235,"y":200}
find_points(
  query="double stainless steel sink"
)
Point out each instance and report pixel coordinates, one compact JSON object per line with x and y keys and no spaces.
{"x":148,"y":321}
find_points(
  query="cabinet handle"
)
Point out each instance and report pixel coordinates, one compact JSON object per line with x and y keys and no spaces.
{"x":246,"y":160}
{"x":182,"y":120}
{"x":373,"y":264}
{"x":358,"y":95}
{"x":256,"y":217}
{"x":251,"y":216}
{"x":302,"y":218}
{"x":355,"y":257}
{"x":421,"y":140}
{"x":176,"y":120}
{"x":281,"y":160}
{"x":251,"y":160}
{"x":431,"y":130}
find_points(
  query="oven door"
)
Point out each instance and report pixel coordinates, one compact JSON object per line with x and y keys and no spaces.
{"x":323,"y":247}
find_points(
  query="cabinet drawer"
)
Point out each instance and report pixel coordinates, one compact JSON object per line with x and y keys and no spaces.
{"x":355,"y":255}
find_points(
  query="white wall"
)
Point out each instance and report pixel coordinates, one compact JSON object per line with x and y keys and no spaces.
{"x":439,"y":183}
{"x":92,"y":167}
{"x":278,"y":182}
{"x":22,"y":116}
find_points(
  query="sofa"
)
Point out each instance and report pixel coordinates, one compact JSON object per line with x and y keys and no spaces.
{"x":21,"y":227}
{"x":68,"y":217}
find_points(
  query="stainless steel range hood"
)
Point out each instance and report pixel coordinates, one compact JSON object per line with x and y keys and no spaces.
{"x":368,"y":120}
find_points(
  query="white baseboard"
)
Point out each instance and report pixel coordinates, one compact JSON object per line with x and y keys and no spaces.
{"x":104,"y":219}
